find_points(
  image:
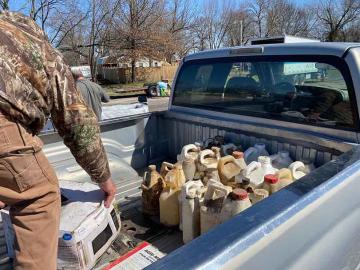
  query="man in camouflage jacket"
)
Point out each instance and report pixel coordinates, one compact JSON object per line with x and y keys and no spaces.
{"x":34,"y":84}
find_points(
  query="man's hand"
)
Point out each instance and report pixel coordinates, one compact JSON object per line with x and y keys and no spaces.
{"x":109,"y":188}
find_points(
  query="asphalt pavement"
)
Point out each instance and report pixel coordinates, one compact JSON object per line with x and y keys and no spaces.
{"x":155,"y":104}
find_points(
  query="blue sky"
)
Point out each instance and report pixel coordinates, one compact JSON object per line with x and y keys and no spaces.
{"x":18,"y":4}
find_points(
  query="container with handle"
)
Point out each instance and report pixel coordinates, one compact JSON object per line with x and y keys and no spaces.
{"x":165,"y":168}
{"x":189,"y":151}
{"x":237,"y":201}
{"x":297,"y":169}
{"x":281,"y":160}
{"x":169,"y":198}
{"x":192,"y":194}
{"x":152,"y":187}
{"x":228,"y":169}
{"x":207,"y":160}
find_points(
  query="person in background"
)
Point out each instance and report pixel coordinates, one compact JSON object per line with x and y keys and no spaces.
{"x":93,"y":93}
{"x":35,"y":83}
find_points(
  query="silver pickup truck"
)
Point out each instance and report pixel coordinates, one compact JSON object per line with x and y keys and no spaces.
{"x":303,"y":98}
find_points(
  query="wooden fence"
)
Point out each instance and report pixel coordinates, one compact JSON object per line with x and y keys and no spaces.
{"x":143,"y":74}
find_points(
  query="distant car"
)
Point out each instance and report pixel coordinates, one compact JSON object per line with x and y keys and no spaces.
{"x":85,"y":70}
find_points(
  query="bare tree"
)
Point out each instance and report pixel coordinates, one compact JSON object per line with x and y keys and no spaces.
{"x":335,"y":16}
{"x":258,"y":11}
{"x":4,"y":4}
{"x":138,"y":32}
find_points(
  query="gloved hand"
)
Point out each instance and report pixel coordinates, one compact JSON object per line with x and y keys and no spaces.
{"x":110,"y":190}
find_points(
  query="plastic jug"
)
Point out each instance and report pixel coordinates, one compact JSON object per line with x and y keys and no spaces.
{"x":271,"y":183}
{"x":165,"y":168}
{"x":152,"y":187}
{"x":207,"y":160}
{"x":210,"y":209}
{"x":217,"y":151}
{"x":228,"y":169}
{"x":239,"y":159}
{"x":192,"y":195}
{"x":189,"y":168}
{"x":211,"y":174}
{"x":281,"y":160}
{"x":237,"y":201}
{"x":188,"y":151}
{"x":256,"y":171}
{"x":228,"y":149}
{"x":297,"y":170}
{"x":309,"y":166}
{"x":253,"y":153}
{"x":284,"y":174}
{"x":258,"y":195}
{"x":169,"y":201}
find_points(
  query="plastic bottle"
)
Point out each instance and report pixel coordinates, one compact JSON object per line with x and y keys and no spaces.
{"x":189,"y":168}
{"x":271,"y":183}
{"x":211,"y":174}
{"x":239,"y":159}
{"x":285,"y":177}
{"x":169,"y":198}
{"x":237,"y":201}
{"x":281,"y":160}
{"x":165,"y":168}
{"x":216,"y":150}
{"x":210,"y":209}
{"x":188,"y":151}
{"x":256,"y":171}
{"x":192,"y":192}
{"x":297,"y":170}
{"x":228,"y":169}
{"x":152,"y":187}
{"x":253,"y":153}
{"x":207,"y":160}
{"x":259,"y":194}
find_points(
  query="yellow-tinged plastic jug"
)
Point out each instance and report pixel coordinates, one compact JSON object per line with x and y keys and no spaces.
{"x":258,"y":195}
{"x":152,"y":187}
{"x":285,"y":177}
{"x":271,"y":183}
{"x":208,"y":159}
{"x":228,"y":169}
{"x":297,"y":170}
{"x":165,"y":168}
{"x":169,"y":201}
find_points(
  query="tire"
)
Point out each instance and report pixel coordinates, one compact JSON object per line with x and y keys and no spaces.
{"x":152,"y":91}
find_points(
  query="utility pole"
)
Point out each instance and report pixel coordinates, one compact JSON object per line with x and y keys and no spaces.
{"x":241,"y":32}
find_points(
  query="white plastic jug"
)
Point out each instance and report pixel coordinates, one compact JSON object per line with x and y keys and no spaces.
{"x":189,"y":168}
{"x":297,"y":170}
{"x":237,"y":201}
{"x":188,"y":151}
{"x":192,"y":193}
{"x":210,"y":209}
{"x":281,"y":160}
{"x":253,"y":153}
{"x":256,"y":171}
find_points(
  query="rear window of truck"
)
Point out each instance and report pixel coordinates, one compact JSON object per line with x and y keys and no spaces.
{"x":307,"y":90}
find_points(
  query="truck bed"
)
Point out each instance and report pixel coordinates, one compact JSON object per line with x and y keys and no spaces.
{"x":134,"y":142}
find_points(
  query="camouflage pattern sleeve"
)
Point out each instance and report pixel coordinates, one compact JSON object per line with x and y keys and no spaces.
{"x":76,"y":123}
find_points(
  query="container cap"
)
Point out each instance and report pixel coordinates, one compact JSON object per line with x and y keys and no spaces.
{"x":271,"y":178}
{"x":67,"y":236}
{"x":239,"y":194}
{"x":238,"y":154}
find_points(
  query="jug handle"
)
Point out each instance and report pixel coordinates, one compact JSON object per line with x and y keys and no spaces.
{"x":252,"y":167}
{"x":168,"y":165}
{"x":187,"y":148}
{"x":297,"y":165}
{"x":204,"y":153}
{"x":225,"y":160}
